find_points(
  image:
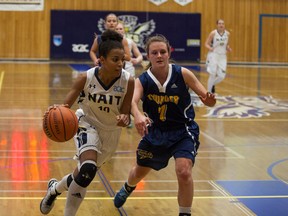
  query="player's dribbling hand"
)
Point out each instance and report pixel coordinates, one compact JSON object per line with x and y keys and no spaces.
{"x":209,"y":100}
{"x":54,"y":107}
{"x":123,"y":120}
{"x":57,"y":105}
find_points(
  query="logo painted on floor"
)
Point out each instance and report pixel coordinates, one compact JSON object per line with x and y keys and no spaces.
{"x":243,"y":107}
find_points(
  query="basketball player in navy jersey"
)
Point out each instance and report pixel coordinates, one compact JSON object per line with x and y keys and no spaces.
{"x":167,"y":125}
{"x":111,"y":21}
{"x":104,"y":97}
{"x":217,"y":44}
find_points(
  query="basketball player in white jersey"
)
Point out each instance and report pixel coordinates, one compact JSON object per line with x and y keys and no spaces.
{"x":217,"y":44}
{"x":136,"y":56}
{"x":104,"y":97}
{"x":111,"y":21}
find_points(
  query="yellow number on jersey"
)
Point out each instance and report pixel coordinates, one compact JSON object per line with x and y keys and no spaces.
{"x":162,"y":112}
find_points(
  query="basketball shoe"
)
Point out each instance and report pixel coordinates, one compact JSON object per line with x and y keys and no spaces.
{"x":121,"y":197}
{"x":47,"y":202}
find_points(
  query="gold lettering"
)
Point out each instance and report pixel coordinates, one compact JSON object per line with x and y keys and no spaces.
{"x":160,"y":99}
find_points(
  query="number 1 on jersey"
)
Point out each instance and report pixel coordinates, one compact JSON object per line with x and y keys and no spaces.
{"x":162,"y":112}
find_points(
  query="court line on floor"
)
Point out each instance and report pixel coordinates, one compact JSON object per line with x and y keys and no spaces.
{"x":104,"y":191}
{"x":1,"y":79}
{"x":49,"y":157}
{"x":222,"y":145}
{"x":153,"y":181}
{"x":41,"y":191}
{"x":196,"y":119}
{"x":241,"y":119}
{"x":97,"y":181}
{"x":59,"y":158}
{"x":73,"y":151}
{"x":156,"y":198}
{"x":232,"y":200}
{"x":109,"y":189}
{"x":271,"y":167}
{"x":44,"y":150}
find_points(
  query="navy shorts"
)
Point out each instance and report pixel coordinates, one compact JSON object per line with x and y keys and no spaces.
{"x":158,"y":147}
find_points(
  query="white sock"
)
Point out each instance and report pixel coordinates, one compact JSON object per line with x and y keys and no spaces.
{"x":185,"y":210}
{"x":62,"y":185}
{"x":75,"y":197}
{"x":130,"y":185}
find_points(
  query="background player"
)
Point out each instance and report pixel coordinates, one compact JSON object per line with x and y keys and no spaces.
{"x":136,"y":56}
{"x":217,"y":44}
{"x":111,"y":22}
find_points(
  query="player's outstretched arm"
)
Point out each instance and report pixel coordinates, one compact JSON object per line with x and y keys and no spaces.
{"x":209,"y":100}
{"x":191,"y":80}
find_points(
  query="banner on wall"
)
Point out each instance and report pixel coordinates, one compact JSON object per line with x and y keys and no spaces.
{"x":183,"y":2}
{"x":21,"y":5}
{"x":180,"y":2}
{"x":158,"y":2}
{"x":72,"y":32}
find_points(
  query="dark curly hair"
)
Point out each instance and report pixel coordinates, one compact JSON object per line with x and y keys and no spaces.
{"x":110,"y":39}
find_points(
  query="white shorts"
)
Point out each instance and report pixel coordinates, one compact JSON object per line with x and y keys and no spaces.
{"x":104,"y":142}
{"x":216,"y":62}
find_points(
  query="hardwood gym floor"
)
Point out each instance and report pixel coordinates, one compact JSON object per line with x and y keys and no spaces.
{"x":241,"y":168}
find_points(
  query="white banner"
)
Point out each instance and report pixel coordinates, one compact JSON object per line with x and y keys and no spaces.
{"x":21,"y":5}
{"x":183,"y":2}
{"x":158,"y":2}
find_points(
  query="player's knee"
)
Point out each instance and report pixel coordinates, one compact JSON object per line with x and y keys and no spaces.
{"x":184,"y":175}
{"x":86,"y":173}
{"x":184,"y":171}
{"x":69,"y":180}
{"x":221,"y":74}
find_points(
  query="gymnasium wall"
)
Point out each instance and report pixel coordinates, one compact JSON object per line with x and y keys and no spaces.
{"x":26,"y":35}
{"x":68,"y":43}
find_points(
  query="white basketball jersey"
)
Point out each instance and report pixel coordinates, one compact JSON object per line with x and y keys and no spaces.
{"x":220,"y":42}
{"x":128,"y":64}
{"x":101,"y":103}
{"x":130,"y":41}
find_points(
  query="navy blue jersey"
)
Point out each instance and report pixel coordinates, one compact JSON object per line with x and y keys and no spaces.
{"x":170,"y":105}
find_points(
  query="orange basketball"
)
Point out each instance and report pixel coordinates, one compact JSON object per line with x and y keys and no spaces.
{"x":60,"y":124}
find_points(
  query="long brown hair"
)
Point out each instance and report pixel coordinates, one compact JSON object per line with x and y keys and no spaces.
{"x":156,"y":38}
